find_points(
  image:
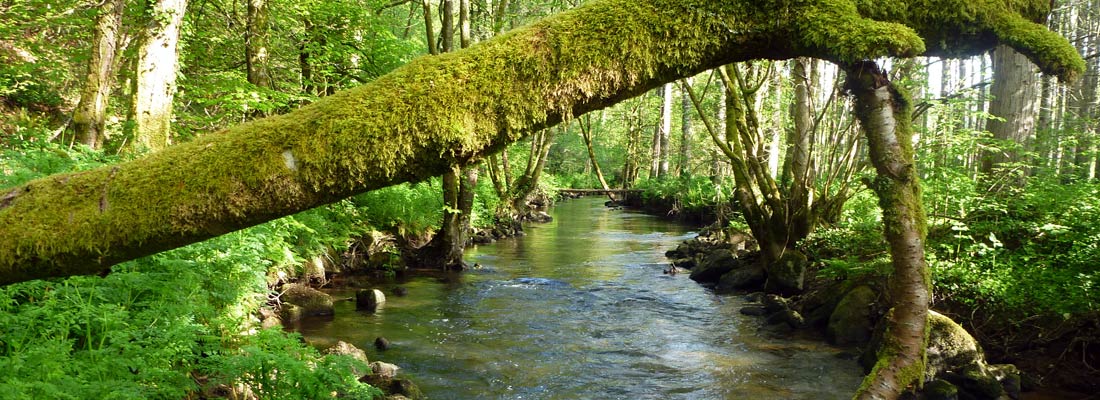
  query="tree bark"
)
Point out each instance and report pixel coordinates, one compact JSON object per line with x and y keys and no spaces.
{"x":155,"y":77}
{"x":665,"y":131}
{"x":685,"y":132}
{"x":1014,"y":106}
{"x":256,"y":43}
{"x":884,"y":113}
{"x":586,"y":133}
{"x":429,"y":28}
{"x":90,"y":117}
{"x":384,"y":132}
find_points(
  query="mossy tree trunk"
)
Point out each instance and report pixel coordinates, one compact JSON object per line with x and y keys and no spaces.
{"x":447,"y":247}
{"x":155,"y":76}
{"x":385,"y":132}
{"x":90,"y":116}
{"x":884,"y":113}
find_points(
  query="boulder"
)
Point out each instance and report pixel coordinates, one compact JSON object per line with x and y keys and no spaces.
{"x":369,"y":299}
{"x":715,"y":265}
{"x":749,"y":276}
{"x":685,"y":262}
{"x":393,"y":387}
{"x":342,"y":348}
{"x":940,"y":389}
{"x":950,"y":346}
{"x":313,"y":302}
{"x":790,"y":317}
{"x":754,"y":311}
{"x":852,"y":322}
{"x":787,"y":274}
{"x":385,"y":370}
{"x":290,"y":313}
{"x":954,"y":356}
{"x":773,"y":303}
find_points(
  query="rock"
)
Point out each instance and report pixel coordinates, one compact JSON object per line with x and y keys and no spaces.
{"x":401,"y":291}
{"x":715,"y":265}
{"x":754,"y":297}
{"x":773,"y":304}
{"x":950,"y":346}
{"x":393,"y":386}
{"x":385,"y":370}
{"x":346,"y":349}
{"x":313,"y":270}
{"x":369,"y":299}
{"x":753,"y":311}
{"x":747,"y":277}
{"x":852,"y":321}
{"x":312,"y":301}
{"x":789,"y":317}
{"x":482,"y":237}
{"x":788,"y":273}
{"x":407,"y":388}
{"x":954,"y":356}
{"x":685,"y":263}
{"x":382,"y":344}
{"x":290,"y":313}
{"x":1010,"y":378}
{"x":939,"y":389}
{"x":539,"y":216}
{"x":817,"y":306}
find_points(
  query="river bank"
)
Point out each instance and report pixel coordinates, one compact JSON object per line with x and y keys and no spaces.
{"x":847,"y":310}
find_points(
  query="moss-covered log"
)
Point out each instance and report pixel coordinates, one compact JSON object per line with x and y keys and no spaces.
{"x":484,"y":98}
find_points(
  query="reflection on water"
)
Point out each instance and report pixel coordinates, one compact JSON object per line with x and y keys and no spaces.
{"x":579,"y":308}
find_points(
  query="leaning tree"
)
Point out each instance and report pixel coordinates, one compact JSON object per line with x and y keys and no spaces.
{"x":497,"y":92}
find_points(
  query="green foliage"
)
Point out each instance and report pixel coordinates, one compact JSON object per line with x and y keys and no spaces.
{"x":141,"y":331}
{"x":1030,"y":252}
{"x":691,"y":194}
{"x":30,"y":155}
{"x":411,"y":208}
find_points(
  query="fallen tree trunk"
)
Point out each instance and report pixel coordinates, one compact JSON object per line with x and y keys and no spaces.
{"x":483,"y":98}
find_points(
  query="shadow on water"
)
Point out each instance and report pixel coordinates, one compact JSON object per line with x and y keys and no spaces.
{"x":579,"y":308}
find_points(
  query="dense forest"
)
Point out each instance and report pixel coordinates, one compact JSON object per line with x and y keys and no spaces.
{"x":169,"y":168}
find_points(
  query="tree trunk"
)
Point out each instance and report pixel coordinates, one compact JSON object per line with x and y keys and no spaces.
{"x":1014,"y":105}
{"x":447,"y":31}
{"x":256,"y":43}
{"x":155,"y":77}
{"x":90,"y":117}
{"x":429,"y":28}
{"x":385,"y":132}
{"x":586,"y":133}
{"x":884,"y":113}
{"x":685,"y":133}
{"x":665,"y":130}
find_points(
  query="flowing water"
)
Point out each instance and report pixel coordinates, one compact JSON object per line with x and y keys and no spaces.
{"x":579,"y":309}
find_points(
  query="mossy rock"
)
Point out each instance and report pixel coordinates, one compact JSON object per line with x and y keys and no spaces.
{"x":788,"y":273}
{"x":715,"y":265}
{"x":852,"y":321}
{"x":939,"y":389}
{"x":749,"y":276}
{"x":950,"y":346}
{"x":312,"y":301}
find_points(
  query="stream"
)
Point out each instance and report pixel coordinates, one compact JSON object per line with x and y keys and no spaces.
{"x":579,"y":308}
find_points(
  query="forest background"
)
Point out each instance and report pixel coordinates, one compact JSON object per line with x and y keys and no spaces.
{"x":1008,"y":162}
